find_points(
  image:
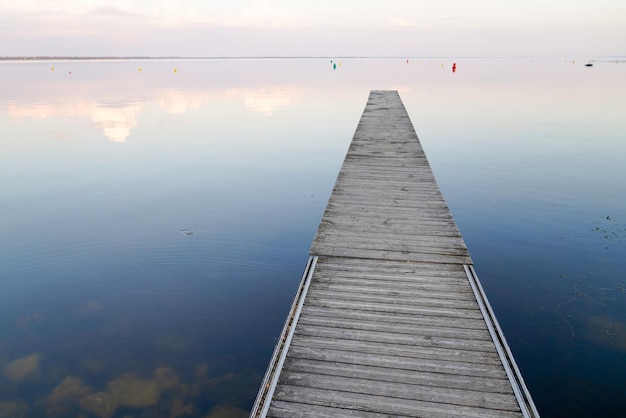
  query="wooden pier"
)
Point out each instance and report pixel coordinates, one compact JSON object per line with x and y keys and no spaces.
{"x":390,"y":319}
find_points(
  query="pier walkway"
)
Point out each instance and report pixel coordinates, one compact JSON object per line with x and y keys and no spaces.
{"x":390,"y":319}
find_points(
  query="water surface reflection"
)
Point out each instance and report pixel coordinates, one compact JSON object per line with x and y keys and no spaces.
{"x":151,"y":278}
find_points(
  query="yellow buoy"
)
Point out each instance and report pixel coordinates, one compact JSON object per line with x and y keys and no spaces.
{"x":139,"y":69}
{"x":175,"y":70}
{"x":52,"y":68}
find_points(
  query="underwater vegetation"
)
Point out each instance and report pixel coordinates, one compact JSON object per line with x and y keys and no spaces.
{"x":164,"y":394}
{"x":158,"y":380}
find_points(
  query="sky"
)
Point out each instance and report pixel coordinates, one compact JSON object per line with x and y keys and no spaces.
{"x":329,"y":28}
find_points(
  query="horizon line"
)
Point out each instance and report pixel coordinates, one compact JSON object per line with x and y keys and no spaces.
{"x":243,"y":57}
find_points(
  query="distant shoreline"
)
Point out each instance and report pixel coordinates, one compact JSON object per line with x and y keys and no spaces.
{"x":148,"y":58}
{"x":75,"y":58}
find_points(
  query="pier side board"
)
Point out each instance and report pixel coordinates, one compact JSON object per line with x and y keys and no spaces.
{"x":390,"y":319}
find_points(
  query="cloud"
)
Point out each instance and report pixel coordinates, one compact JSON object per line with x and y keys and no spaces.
{"x":399,"y":22}
{"x":172,"y":13}
{"x":113,"y":11}
{"x":266,"y":15}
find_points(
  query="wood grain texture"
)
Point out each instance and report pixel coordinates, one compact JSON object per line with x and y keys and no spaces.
{"x":390,"y":326}
{"x":386,"y":203}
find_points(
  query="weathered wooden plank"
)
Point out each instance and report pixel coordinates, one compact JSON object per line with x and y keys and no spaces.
{"x":282,"y":409}
{"x":384,"y":317}
{"x":401,"y":391}
{"x":421,"y":247}
{"x":391,"y":232}
{"x":320,"y":250}
{"x":386,"y":297}
{"x":383,"y":404}
{"x":418,"y":252}
{"x":402,"y":177}
{"x":404,"y":225}
{"x":365,"y":324}
{"x":406,"y":168}
{"x":384,"y":210}
{"x":397,"y":298}
{"x":427,"y":244}
{"x":390,"y":219}
{"x":390,"y":338}
{"x":389,"y":374}
{"x":413,"y":309}
{"x":399,"y":270}
{"x":385,"y":195}
{"x":375,"y":179}
{"x":402,"y":273}
{"x":433,"y":291}
{"x":435,"y":209}
{"x":376,"y":186}
{"x":392,"y":204}
{"x":372,"y":211}
{"x":404,"y":244}
{"x":353,"y":227}
{"x":417,"y":283}
{"x":444,"y":360}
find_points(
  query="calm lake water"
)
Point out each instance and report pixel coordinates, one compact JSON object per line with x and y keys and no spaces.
{"x":156,"y":217}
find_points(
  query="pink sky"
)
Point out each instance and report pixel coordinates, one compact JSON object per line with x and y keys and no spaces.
{"x":322,"y":28}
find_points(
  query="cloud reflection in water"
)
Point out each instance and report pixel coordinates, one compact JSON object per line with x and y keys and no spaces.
{"x":117,"y":120}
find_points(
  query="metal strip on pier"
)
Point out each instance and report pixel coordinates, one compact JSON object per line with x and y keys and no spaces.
{"x":278,"y":357}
